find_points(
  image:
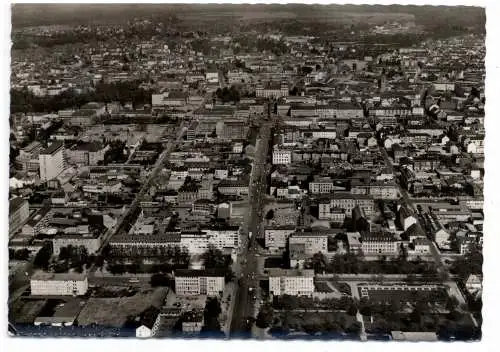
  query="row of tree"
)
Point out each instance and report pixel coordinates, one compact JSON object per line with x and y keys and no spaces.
{"x":351,"y":263}
{"x":290,"y":303}
{"x":230,"y":94}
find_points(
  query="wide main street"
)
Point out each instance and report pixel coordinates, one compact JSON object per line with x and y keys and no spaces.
{"x":243,"y":309}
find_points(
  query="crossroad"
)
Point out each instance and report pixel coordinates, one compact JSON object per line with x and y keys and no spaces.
{"x":145,"y":188}
{"x":244,"y":299}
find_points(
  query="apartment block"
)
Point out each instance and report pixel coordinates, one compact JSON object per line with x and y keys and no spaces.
{"x":51,"y":161}
{"x":199,"y":282}
{"x":291,"y":282}
{"x":52,"y":284}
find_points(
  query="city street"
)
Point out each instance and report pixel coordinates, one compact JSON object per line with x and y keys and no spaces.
{"x":244,"y":300}
{"x":160,"y":162}
{"x":407,"y":200}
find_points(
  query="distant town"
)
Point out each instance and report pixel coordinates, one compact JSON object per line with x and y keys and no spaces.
{"x":174,"y":176}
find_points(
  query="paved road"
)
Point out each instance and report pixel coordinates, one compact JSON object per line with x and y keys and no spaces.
{"x":436,"y":254}
{"x":145,"y":187}
{"x":244,"y":300}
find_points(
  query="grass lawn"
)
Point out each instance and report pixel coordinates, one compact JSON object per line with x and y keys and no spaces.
{"x":113,"y":312}
{"x":322,"y":287}
{"x":343,"y":287}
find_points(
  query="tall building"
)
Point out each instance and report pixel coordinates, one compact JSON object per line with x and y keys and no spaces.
{"x":18,"y":212}
{"x":51,"y":161}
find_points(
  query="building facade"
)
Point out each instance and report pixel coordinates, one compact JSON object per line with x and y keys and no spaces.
{"x":50,"y":284}
{"x":199,"y":282}
{"x":51,"y":161}
{"x":291,"y":282}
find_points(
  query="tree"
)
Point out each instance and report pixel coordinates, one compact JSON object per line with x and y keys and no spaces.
{"x":306,"y":70}
{"x":265,"y":316}
{"x":22,"y":254}
{"x":65,"y":252}
{"x":116,"y":269}
{"x":318,"y":263}
{"x":229,"y":276}
{"x":411,"y":278}
{"x":354,"y":328}
{"x":365,"y":307}
{"x":135,"y":266}
{"x":43,"y":256}
{"x":159,"y":280}
{"x":270,"y":214}
{"x":287,"y":302}
{"x":211,"y":315}
{"x":352,"y":309}
{"x":452,"y":303}
{"x":214,"y":258}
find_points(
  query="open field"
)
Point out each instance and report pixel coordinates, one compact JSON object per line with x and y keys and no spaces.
{"x":26,"y":311}
{"x":326,"y":15}
{"x":321,"y":286}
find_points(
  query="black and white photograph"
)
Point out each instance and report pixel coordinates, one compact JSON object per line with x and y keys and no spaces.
{"x":246,"y":171}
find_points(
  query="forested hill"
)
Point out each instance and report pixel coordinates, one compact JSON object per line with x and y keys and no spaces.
{"x":24,"y":15}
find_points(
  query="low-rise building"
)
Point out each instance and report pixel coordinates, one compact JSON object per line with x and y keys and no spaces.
{"x":282,"y":157}
{"x":230,"y":187}
{"x":199,"y":282}
{"x":291,"y":282}
{"x":85,"y":154}
{"x":379,"y":245}
{"x":347,"y":202}
{"x":52,"y":284}
{"x":321,"y":185}
{"x":276,"y":236}
{"x":314,"y":242}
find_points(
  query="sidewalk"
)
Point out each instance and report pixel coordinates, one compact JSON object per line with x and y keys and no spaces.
{"x":362,"y":334}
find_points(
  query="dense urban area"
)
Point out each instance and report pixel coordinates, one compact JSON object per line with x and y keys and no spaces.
{"x":241,"y":171}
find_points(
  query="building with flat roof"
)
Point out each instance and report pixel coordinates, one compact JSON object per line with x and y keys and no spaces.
{"x":292,"y":282}
{"x":276,"y":236}
{"x":51,"y":161}
{"x":18,"y":213}
{"x":53,"y":284}
{"x":414,"y":336}
{"x":208,"y":282}
{"x":314,"y":242}
{"x":379,"y":244}
{"x":85,"y":154}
